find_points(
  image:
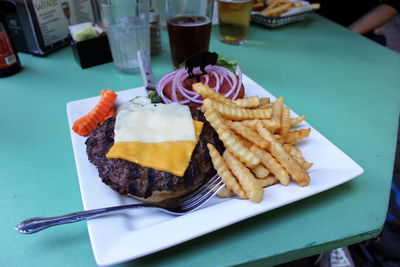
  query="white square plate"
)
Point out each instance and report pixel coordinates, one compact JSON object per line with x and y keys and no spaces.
{"x":113,"y":238}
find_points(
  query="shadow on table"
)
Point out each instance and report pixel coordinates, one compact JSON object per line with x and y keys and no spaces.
{"x":238,"y":230}
{"x":382,"y":251}
{"x":371,"y":253}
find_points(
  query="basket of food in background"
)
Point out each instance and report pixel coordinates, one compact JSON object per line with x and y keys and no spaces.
{"x":276,"y":13}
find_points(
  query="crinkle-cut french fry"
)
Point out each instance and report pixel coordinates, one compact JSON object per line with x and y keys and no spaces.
{"x":241,"y":113}
{"x":243,"y":140}
{"x":297,"y":120}
{"x":303,"y":163}
{"x":272,"y":5}
{"x":250,"y":123}
{"x":225,"y":193}
{"x":267,"y":105}
{"x":225,"y":135}
{"x":277,"y":11}
{"x":271,"y":125}
{"x":315,"y":5}
{"x":207,"y":105}
{"x":277,"y":110}
{"x":297,"y":4}
{"x":206,"y":92}
{"x":222,"y":169}
{"x":248,"y":102}
{"x":248,"y":133}
{"x":297,"y":135}
{"x":294,"y":151}
{"x":268,"y":181}
{"x":264,"y":100}
{"x":260,"y":171}
{"x":275,"y":3}
{"x":285,"y":122}
{"x":272,"y":165}
{"x":298,"y":156}
{"x":298,"y":174}
{"x":246,"y":179}
{"x":279,"y":138}
{"x":276,"y":8}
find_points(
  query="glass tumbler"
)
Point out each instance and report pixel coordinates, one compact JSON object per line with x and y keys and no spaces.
{"x":127,"y":25}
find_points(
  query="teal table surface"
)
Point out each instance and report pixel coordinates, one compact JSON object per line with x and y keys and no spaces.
{"x":348,"y":86}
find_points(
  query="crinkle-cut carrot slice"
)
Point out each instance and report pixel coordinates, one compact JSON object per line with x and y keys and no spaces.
{"x":86,"y":124}
{"x":109,"y":114}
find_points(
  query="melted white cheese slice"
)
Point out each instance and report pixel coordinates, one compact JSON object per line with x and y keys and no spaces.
{"x":159,"y":136}
{"x":154,"y":123}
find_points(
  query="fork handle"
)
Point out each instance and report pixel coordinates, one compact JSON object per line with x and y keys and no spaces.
{"x":36,"y":224}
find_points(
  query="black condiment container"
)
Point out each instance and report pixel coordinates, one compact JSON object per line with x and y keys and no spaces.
{"x":92,"y":52}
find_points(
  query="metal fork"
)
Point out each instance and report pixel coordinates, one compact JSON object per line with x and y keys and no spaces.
{"x":175,"y":206}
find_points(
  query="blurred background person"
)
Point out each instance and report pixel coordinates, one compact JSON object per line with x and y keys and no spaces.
{"x":363,"y":17}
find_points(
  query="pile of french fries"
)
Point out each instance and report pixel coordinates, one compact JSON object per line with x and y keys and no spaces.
{"x":259,"y":143}
{"x":275,"y":8}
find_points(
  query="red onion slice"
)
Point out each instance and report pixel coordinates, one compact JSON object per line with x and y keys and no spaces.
{"x":176,"y":80}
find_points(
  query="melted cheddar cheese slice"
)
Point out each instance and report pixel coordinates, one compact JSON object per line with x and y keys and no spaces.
{"x":159,"y":136}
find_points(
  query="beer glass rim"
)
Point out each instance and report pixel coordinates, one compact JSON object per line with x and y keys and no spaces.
{"x":238,"y":1}
{"x":206,"y":10}
{"x":119,"y":3}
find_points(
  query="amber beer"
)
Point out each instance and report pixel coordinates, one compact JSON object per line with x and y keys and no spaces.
{"x":188,"y":36}
{"x":189,"y":27}
{"x":234,"y":20}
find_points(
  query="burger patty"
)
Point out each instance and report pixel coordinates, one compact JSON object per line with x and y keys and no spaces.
{"x":129,"y":178}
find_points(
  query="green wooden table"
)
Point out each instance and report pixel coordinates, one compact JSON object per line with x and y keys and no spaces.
{"x":347,"y":85}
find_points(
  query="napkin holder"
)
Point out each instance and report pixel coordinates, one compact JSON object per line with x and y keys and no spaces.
{"x":92,"y":52}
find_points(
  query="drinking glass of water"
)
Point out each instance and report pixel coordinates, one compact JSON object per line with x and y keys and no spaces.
{"x":127,"y":24}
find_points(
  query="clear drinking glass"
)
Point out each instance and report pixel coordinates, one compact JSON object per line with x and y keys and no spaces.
{"x":189,"y":27}
{"x":234,"y":20}
{"x":127,"y":23}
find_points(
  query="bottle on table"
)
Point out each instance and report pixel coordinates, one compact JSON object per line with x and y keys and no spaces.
{"x":9,"y":60}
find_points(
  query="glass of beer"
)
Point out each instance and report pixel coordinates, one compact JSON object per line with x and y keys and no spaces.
{"x":234,"y":20}
{"x":189,"y":27}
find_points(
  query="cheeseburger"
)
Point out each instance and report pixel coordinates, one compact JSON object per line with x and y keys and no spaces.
{"x":147,"y":153}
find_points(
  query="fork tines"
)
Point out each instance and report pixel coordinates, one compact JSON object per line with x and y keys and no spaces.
{"x":203,"y":193}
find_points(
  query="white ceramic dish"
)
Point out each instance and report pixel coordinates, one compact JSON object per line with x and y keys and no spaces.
{"x":114,"y":238}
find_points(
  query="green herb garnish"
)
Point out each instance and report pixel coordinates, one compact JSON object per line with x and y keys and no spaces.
{"x":154,"y":97}
{"x":229,"y":64}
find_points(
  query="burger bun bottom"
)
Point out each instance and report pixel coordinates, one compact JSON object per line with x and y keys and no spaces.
{"x":159,"y":196}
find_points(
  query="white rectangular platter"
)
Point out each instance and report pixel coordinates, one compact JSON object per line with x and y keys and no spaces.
{"x":116,"y":238}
